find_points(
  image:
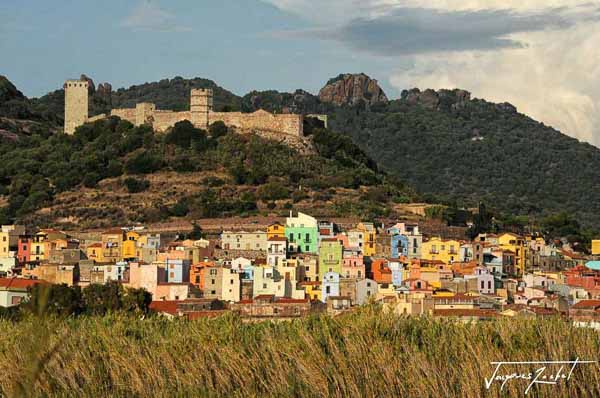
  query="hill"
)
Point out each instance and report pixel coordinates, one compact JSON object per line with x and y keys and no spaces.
{"x":461,"y":150}
{"x":110,"y":172}
{"x":451,"y":148}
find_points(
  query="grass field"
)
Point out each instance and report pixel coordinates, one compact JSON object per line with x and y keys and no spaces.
{"x":362,"y":354}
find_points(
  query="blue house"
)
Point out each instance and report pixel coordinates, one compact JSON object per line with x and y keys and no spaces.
{"x":399,"y":244}
{"x":178,"y":271}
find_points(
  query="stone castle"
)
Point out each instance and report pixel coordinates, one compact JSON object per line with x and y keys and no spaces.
{"x":201,"y":114}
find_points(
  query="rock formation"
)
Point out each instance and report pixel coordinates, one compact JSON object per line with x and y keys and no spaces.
{"x":351,"y":88}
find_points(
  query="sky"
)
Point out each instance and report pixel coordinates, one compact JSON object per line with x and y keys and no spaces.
{"x":540,"y":55}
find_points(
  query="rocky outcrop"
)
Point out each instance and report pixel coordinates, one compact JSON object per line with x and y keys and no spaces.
{"x":437,"y":100}
{"x":104,"y":91}
{"x":350,"y":89}
{"x":91,"y":86}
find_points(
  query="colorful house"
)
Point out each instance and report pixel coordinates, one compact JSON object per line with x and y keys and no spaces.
{"x":275,"y":230}
{"x":330,"y":257}
{"x":441,"y":249}
{"x":353,"y":264}
{"x":312,"y":290}
{"x":517,"y":245}
{"x":129,"y":245}
{"x":364,"y":237}
{"x":380,"y":272}
{"x":330,"y":285}
{"x":302,"y":233}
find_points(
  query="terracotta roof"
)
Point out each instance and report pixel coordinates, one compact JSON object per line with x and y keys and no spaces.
{"x":95,"y":245}
{"x":330,"y":240}
{"x":278,"y":238}
{"x":18,"y":283}
{"x":587,"y":304}
{"x":168,"y":306}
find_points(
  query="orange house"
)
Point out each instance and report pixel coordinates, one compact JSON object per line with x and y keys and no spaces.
{"x":380,"y":271}
{"x":197,"y":273}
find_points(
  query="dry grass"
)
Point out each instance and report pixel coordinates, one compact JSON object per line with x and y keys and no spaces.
{"x":365,"y":354}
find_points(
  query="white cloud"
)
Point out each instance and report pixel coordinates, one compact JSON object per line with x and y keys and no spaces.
{"x":148,"y":15}
{"x":554,"y":77}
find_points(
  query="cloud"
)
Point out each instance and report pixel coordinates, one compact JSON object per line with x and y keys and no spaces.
{"x":556,"y":79}
{"x":549,"y":69}
{"x":149,"y":16}
{"x":418,"y":30}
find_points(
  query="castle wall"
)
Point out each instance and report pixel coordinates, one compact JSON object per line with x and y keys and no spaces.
{"x":128,"y":114}
{"x":166,"y":119}
{"x":261,"y":120}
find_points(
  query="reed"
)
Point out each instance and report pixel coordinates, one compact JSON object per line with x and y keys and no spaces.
{"x":366,"y":353}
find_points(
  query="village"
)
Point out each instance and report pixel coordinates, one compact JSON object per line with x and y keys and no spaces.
{"x":303,"y":266}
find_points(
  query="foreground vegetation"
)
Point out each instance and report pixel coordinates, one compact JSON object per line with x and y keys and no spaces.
{"x":363,"y":354}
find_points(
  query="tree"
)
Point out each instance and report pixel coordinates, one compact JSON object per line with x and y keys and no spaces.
{"x":49,"y":299}
{"x":217,"y":129}
{"x":101,"y":299}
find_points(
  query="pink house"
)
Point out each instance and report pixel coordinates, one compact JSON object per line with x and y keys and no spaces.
{"x":353,"y":265}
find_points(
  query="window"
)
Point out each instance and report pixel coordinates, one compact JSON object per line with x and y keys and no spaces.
{"x":231,"y":281}
{"x":172,"y":275}
{"x":489,"y":284}
{"x":307,"y":248}
{"x":212,"y":281}
{"x":197,"y":278}
{"x":264,"y":285}
{"x":327,"y":289}
{"x":482,"y":285}
{"x":213,"y":292}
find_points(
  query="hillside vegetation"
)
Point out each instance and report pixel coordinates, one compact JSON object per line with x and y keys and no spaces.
{"x":449,"y":148}
{"x":240,"y":174}
{"x":367,"y":354}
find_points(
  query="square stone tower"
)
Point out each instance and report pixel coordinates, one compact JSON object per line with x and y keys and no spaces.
{"x":76,"y":104}
{"x":201,"y":104}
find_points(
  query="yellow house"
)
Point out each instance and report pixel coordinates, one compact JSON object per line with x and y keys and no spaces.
{"x":38,"y":247}
{"x":515,"y":244}
{"x":9,"y":238}
{"x":128,"y":249}
{"x":596,"y":247}
{"x":275,"y":230}
{"x":441,"y":249}
{"x":312,"y":290}
{"x":95,"y":252}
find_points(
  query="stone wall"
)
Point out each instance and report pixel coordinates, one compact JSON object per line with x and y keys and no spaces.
{"x":163,"y":120}
{"x":128,"y":114}
{"x":261,"y":120}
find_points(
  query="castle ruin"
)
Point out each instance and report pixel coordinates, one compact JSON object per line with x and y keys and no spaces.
{"x":201,"y":114}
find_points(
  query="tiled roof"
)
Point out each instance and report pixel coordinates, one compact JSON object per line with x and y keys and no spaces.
{"x":168,"y":306}
{"x":18,"y":283}
{"x":587,"y":304}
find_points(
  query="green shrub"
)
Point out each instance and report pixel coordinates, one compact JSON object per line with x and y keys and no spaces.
{"x":135,"y":185}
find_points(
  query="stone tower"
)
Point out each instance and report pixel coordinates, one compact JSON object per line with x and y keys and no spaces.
{"x":201,"y":103}
{"x":76,"y":104}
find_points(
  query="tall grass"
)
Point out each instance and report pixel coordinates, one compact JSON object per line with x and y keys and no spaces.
{"x":362,"y":354}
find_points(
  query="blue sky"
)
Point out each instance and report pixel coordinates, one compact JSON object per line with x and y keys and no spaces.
{"x":234,"y":42}
{"x":539,"y":55}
